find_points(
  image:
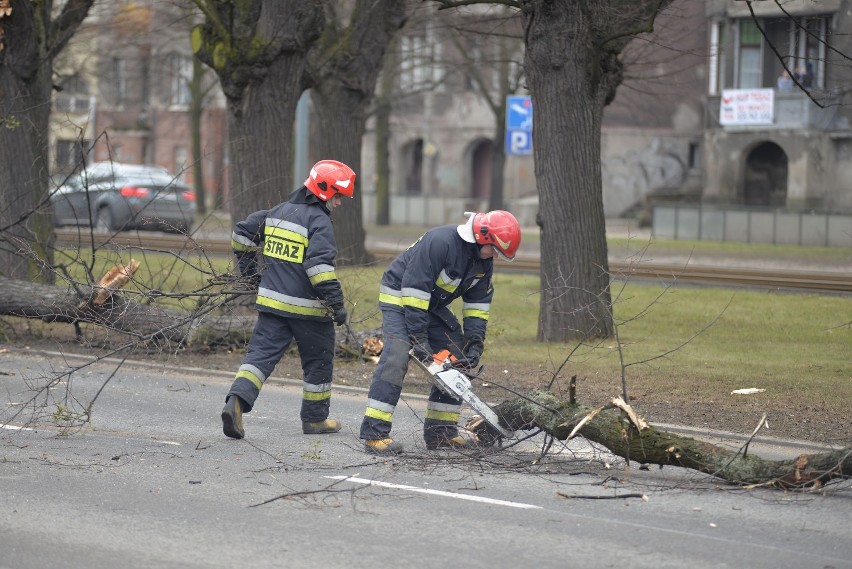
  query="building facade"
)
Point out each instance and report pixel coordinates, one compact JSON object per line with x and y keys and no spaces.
{"x":798,"y":156}
{"x":652,"y":133}
{"x":126,"y":95}
{"x":662,"y":138}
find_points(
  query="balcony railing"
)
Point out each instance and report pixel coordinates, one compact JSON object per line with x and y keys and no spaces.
{"x":793,"y":111}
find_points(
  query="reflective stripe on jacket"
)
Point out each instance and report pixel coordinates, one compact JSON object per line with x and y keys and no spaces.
{"x":297,"y":241}
{"x":433,"y":272}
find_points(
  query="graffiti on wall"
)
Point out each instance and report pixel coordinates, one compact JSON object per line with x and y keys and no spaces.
{"x":632,"y":172}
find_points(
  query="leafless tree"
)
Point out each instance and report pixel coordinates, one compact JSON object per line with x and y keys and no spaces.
{"x":572,"y":67}
{"x":344,"y":67}
{"x":32,"y":34}
{"x":258,"y":49}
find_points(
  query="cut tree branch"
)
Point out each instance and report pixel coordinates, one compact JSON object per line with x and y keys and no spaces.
{"x":650,"y":446}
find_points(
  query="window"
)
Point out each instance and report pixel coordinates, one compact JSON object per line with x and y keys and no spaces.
{"x":409,"y":61}
{"x":474,"y":59}
{"x":483,"y":63}
{"x":69,"y":154}
{"x":800,"y":42}
{"x":119,"y":79}
{"x":694,"y":157}
{"x":808,"y":50}
{"x":74,"y":96}
{"x":437,"y":75}
{"x":749,"y":61}
{"x":180,"y":69}
{"x":420,"y":66}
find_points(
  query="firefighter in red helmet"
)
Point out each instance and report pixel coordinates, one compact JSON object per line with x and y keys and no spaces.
{"x":497,"y":228}
{"x":446,"y":263}
{"x":298,"y":297}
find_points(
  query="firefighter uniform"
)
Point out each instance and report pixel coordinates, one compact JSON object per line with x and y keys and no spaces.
{"x":414,"y":297}
{"x":297,"y":295}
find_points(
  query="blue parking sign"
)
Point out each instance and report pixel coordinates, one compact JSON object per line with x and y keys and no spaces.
{"x":519,"y":113}
{"x":518,"y":142}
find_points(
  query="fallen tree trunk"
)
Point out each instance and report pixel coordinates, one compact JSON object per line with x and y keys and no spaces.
{"x":647,"y":445}
{"x":100,"y":305}
{"x":147,"y":321}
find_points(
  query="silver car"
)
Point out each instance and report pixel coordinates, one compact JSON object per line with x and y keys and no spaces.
{"x":111,"y":196}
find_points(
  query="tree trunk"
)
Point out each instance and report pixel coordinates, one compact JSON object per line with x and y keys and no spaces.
{"x":568,"y":100}
{"x":258,"y":49}
{"x":260,"y":127}
{"x":650,"y":446}
{"x":196,"y":109}
{"x":384,"y":106}
{"x":342,"y":112}
{"x":26,"y":85}
{"x":498,"y":144}
{"x":141,"y":320}
{"x":498,"y":161}
{"x":345,"y":67}
{"x":573,"y":68}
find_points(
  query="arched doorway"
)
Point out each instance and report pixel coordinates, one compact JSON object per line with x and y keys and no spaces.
{"x":480,"y":162}
{"x":412,"y":165}
{"x":765,"y":179}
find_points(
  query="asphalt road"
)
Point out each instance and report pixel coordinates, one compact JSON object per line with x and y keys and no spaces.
{"x":152,"y":482}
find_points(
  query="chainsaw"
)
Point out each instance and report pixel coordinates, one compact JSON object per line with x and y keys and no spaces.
{"x":456,"y":383}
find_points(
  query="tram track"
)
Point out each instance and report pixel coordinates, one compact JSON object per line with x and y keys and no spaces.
{"x":813,"y":281}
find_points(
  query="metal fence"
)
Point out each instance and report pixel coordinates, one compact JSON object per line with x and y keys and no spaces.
{"x":750,"y":225}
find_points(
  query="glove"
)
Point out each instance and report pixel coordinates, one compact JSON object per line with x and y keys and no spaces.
{"x":249,"y":273}
{"x":420,"y":349}
{"x":340,"y":315}
{"x":472,"y":353}
{"x":465,"y":364}
{"x":247,"y":263}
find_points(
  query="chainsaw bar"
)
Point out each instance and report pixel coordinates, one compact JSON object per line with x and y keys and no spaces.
{"x":456,"y":383}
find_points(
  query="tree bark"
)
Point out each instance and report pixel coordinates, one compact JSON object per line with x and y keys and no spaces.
{"x":258,"y":50}
{"x":345,"y":66}
{"x":498,"y":143}
{"x":384,"y":106}
{"x":572,"y":66}
{"x":32,"y":39}
{"x":145,"y":321}
{"x":196,"y":110}
{"x":649,"y":446}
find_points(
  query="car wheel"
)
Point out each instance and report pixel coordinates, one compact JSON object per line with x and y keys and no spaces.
{"x":103,"y":221}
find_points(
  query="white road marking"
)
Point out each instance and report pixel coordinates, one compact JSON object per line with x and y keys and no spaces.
{"x":15,"y":428}
{"x":436,"y":492}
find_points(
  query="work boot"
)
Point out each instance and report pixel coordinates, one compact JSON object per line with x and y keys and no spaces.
{"x":383,"y":446}
{"x":232,"y":418}
{"x":321,"y":427}
{"x":456,"y":442}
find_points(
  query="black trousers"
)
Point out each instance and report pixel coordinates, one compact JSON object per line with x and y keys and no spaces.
{"x":271,"y":337}
{"x":442,"y":410}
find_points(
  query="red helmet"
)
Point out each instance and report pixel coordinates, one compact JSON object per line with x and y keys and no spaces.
{"x":498,"y":228}
{"x":329,"y":177}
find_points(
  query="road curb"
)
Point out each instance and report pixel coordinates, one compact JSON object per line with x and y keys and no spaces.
{"x":219,"y":374}
{"x":699,"y":433}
